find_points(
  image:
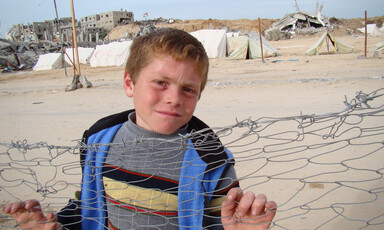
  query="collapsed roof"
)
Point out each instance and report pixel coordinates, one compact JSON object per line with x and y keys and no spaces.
{"x":285,"y":27}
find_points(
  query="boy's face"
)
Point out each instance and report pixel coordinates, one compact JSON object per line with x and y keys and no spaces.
{"x":165,"y":94}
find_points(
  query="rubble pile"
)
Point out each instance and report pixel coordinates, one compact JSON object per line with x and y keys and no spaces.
{"x":297,"y":23}
{"x":25,"y":54}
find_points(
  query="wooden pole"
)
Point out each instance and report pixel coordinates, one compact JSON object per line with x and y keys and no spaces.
{"x":61,"y":38}
{"x":73,"y":59}
{"x":261,"y":42}
{"x":365,"y":45}
{"x":75,"y":40}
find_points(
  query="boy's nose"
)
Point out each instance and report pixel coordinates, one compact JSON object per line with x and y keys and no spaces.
{"x":173,"y":96}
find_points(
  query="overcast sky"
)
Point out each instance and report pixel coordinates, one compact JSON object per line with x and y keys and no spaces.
{"x":28,"y":11}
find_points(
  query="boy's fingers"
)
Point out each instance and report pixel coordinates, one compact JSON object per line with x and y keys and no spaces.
{"x":229,"y":205}
{"x":51,"y":217}
{"x":271,"y":208}
{"x":235,"y":194}
{"x":227,"y":208}
{"x":6,"y":208}
{"x":245,"y":204}
{"x":258,"y":206}
{"x":19,"y":206}
{"x":31,"y":203}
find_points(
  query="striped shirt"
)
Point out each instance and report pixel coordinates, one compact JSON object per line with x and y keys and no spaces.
{"x":141,"y":175}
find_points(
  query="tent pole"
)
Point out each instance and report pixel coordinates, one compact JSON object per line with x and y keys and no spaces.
{"x":327,"y":41}
{"x":261,"y":42}
{"x":365,"y":46}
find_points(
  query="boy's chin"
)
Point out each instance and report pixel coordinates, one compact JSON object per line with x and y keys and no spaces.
{"x":167,"y":130}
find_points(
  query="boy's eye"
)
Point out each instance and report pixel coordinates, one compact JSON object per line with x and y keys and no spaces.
{"x":189,"y":90}
{"x":160,"y":82}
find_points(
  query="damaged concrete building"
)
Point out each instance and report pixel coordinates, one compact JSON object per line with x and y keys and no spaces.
{"x":296,"y":23}
{"x":95,"y":27}
{"x":90,"y":28}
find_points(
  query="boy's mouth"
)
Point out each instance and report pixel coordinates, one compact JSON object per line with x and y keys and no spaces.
{"x":168,"y":113}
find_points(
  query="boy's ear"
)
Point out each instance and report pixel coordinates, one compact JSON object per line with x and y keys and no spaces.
{"x":128,"y":84}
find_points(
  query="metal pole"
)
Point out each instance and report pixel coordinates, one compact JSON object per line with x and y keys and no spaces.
{"x":75,"y":39}
{"x":61,"y":38}
{"x":261,"y":42}
{"x":365,"y":46}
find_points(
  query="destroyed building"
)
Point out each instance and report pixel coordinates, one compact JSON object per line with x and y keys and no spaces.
{"x":90,"y":28}
{"x":296,"y":23}
{"x":95,"y":27}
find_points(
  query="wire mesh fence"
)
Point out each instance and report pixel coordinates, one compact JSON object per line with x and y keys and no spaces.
{"x":324,"y":171}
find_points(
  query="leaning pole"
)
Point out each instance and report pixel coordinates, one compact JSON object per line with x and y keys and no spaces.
{"x":75,"y":40}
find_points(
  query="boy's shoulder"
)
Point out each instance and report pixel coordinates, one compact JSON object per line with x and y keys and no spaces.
{"x":107,"y":122}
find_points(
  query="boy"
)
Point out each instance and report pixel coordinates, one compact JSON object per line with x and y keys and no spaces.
{"x":171,"y":170}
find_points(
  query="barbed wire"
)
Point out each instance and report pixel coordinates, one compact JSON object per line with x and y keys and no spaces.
{"x":324,"y":171}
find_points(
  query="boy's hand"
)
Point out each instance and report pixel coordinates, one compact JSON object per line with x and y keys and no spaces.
{"x":247,"y":211}
{"x":29,"y":215}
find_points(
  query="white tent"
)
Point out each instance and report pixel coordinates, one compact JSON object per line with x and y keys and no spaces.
{"x":112,"y":54}
{"x":237,"y":47}
{"x":49,"y":61}
{"x":379,"y":48}
{"x":214,"y":42}
{"x":85,"y":55}
{"x":254,"y":47}
{"x":339,"y":46}
{"x":373,"y":30}
{"x":243,"y":47}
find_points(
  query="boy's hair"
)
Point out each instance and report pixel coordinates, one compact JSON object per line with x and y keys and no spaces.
{"x":177,"y":43}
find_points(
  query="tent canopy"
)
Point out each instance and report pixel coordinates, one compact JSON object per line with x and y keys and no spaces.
{"x":254,"y":46}
{"x":112,"y":54}
{"x":49,"y":61}
{"x":214,"y":42}
{"x":373,"y":30}
{"x":242,"y":47}
{"x":339,"y":46}
{"x":85,"y":55}
{"x":379,"y":46}
{"x":238,"y":47}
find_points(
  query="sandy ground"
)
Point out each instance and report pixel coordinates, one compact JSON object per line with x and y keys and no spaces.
{"x":34,"y":106}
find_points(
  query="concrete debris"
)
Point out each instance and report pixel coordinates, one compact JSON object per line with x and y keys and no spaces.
{"x":23,"y":55}
{"x":297,"y":23}
{"x":145,"y":30}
